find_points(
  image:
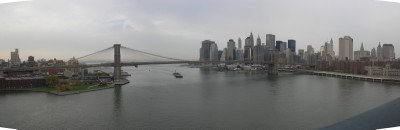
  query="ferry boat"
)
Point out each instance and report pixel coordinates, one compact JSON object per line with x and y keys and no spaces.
{"x":177,"y":75}
{"x":123,"y":74}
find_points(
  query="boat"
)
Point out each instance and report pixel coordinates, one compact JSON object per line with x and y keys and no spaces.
{"x":177,"y":75}
{"x":123,"y":73}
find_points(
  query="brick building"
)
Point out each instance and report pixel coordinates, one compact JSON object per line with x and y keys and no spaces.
{"x":21,"y":82}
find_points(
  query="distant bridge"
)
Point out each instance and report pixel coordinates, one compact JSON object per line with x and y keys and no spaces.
{"x":117,"y":64}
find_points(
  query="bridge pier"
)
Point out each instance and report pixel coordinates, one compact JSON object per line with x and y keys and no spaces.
{"x":117,"y":62}
{"x":272,"y":66}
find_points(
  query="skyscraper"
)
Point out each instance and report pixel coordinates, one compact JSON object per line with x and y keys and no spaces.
{"x":292,"y":46}
{"x":379,"y":52}
{"x":329,"y":49}
{"x":239,"y":51}
{"x":205,"y":50}
{"x":373,"y":53}
{"x":230,"y":55}
{"x":251,"y":39}
{"x":220,"y":54}
{"x":283,"y":46}
{"x":310,"y":53}
{"x":223,"y":55}
{"x":213,"y":52}
{"x":248,"y":48}
{"x":278,"y":45}
{"x":388,"y":52}
{"x":301,"y":55}
{"x":361,"y":53}
{"x":346,"y":48}
{"x":270,"y":41}
{"x":258,"y":52}
{"x":322,"y":51}
{"x":239,"y":43}
{"x":310,"y":50}
{"x":15,"y":60}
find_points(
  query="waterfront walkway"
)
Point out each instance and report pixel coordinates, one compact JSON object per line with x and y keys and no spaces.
{"x":353,"y":76}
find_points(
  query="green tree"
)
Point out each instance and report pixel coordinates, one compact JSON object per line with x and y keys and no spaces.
{"x":52,"y":80}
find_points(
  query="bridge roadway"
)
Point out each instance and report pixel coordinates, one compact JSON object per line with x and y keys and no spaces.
{"x":127,"y":64}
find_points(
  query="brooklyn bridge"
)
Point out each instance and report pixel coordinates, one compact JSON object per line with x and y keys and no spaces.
{"x":117,"y":62}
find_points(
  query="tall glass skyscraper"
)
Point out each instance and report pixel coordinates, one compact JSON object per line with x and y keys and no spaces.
{"x":292,"y":45}
{"x":231,"y":50}
{"x":278,"y":45}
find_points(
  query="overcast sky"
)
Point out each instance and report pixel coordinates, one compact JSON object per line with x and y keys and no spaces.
{"x":175,"y":28}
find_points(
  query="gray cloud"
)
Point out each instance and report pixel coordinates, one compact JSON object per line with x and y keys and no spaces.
{"x":175,"y":28}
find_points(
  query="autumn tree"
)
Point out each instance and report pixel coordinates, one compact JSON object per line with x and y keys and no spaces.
{"x":52,"y":80}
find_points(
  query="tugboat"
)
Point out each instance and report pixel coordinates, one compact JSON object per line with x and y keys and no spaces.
{"x":177,"y":75}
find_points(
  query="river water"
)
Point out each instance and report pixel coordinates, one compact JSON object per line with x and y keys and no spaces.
{"x":202,"y":99}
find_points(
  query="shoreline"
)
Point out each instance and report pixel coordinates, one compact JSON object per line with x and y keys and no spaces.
{"x":60,"y":93}
{"x":119,"y":83}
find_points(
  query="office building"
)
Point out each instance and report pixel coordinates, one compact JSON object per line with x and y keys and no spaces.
{"x":214,"y":52}
{"x":231,"y":50}
{"x":379,"y":52}
{"x":223,"y":56}
{"x":329,"y":49}
{"x":346,"y":48}
{"x":301,"y":55}
{"x":361,"y":53}
{"x":292,"y":46}
{"x":251,"y":39}
{"x":283,"y":46}
{"x":373,"y":53}
{"x":31,"y":61}
{"x":248,"y":48}
{"x":219,"y":54}
{"x":15,"y":60}
{"x":258,"y":53}
{"x":239,"y":51}
{"x":205,"y":50}
{"x":270,"y":41}
{"x":278,"y":45}
{"x":388,"y":52}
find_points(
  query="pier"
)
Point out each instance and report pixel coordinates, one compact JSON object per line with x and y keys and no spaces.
{"x":353,"y":76}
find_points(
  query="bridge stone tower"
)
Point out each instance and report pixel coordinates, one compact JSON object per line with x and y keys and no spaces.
{"x":117,"y":62}
{"x":273,"y":62}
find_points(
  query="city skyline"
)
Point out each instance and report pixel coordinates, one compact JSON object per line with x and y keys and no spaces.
{"x":63,"y":29}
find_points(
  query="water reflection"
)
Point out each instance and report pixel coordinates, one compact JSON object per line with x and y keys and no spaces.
{"x":203,"y":99}
{"x":117,"y":100}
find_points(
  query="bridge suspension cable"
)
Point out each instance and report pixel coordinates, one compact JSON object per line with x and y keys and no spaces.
{"x":95,"y":53}
{"x":152,"y":54}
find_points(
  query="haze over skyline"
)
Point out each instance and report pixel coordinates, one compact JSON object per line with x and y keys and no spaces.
{"x":175,"y":28}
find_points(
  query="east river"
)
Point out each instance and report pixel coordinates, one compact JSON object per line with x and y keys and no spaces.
{"x":202,"y":99}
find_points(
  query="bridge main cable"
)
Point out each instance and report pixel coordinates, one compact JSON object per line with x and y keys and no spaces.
{"x":152,"y":54}
{"x":95,"y":53}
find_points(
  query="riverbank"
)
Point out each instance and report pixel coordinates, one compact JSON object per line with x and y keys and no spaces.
{"x":59,"y":93}
{"x":78,"y":90}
